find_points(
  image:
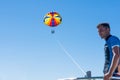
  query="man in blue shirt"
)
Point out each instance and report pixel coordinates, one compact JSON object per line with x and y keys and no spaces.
{"x":112,"y":52}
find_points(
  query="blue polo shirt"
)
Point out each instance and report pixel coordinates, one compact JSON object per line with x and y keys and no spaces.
{"x":111,"y":41}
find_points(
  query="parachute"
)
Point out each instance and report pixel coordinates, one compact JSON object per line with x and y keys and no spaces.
{"x":52,"y":19}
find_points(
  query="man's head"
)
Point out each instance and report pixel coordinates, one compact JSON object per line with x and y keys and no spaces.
{"x":103,"y":30}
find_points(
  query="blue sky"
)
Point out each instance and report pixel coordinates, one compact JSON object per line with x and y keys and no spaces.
{"x":28,"y":51}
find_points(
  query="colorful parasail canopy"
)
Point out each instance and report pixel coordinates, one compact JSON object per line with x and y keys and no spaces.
{"x":52,"y":19}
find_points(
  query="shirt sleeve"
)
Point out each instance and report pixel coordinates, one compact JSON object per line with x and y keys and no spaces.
{"x":115,"y":42}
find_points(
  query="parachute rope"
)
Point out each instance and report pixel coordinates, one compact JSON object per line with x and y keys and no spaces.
{"x":71,"y":58}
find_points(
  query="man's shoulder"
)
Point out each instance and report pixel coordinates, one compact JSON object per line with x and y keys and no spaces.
{"x":114,"y":38}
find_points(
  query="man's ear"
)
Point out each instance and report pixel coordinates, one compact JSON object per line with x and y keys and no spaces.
{"x":108,"y":29}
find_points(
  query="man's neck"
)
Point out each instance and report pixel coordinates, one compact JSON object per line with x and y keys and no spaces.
{"x":108,"y":37}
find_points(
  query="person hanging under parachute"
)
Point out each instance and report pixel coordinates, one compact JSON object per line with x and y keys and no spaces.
{"x":52,"y":19}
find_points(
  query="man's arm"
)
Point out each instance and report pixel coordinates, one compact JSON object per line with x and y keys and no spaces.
{"x":115,"y":59}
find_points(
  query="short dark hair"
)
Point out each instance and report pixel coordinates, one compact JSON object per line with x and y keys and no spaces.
{"x":104,"y":25}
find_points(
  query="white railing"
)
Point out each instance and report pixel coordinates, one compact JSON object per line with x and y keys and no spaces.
{"x":90,"y":78}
